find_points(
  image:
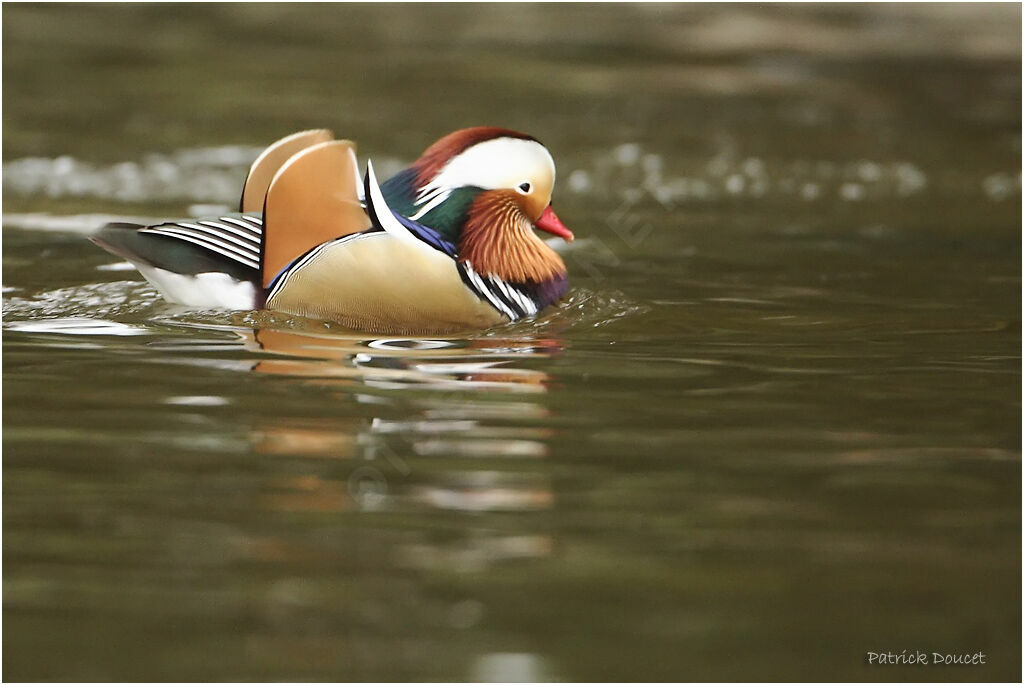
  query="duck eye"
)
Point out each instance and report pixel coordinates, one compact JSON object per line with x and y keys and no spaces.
{"x":524,"y":187}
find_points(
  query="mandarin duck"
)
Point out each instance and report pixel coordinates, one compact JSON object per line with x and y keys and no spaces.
{"x":445,"y":245}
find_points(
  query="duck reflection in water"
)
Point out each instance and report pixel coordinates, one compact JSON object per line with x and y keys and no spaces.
{"x":463,"y":434}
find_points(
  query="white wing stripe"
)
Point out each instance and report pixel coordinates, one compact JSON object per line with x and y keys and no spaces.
{"x":210,"y":243}
{"x":214,"y":234}
{"x":207,"y":242}
{"x":244,"y":235}
{"x":243,"y":224}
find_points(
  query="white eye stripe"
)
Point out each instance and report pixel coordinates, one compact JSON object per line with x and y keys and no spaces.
{"x":493,"y":164}
{"x":437,"y":199}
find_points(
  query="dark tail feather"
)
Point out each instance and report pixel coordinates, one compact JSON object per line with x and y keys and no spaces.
{"x":116,"y":238}
{"x":164,"y":252}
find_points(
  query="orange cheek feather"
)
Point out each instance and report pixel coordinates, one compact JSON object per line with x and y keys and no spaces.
{"x":498,"y":239}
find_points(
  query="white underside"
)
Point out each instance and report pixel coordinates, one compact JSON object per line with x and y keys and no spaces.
{"x":207,"y":290}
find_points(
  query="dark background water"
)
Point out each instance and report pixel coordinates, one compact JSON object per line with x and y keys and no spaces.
{"x":776,"y":426}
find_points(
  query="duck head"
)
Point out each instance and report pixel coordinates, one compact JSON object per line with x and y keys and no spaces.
{"x":486,"y":189}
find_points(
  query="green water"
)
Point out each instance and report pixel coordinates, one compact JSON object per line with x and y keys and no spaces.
{"x":776,"y":425}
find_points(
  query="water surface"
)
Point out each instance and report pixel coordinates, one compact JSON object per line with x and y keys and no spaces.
{"x":775,"y":426}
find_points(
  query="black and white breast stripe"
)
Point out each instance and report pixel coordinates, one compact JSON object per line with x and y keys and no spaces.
{"x":506,"y":298}
{"x":234,"y":237}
